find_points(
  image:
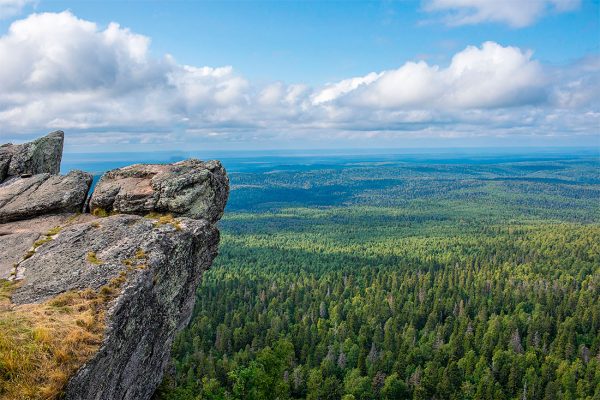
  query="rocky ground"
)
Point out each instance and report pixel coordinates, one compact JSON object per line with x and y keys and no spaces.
{"x":149,"y":227}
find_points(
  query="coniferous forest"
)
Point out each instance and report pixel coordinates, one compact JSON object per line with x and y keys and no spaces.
{"x":418,"y":278}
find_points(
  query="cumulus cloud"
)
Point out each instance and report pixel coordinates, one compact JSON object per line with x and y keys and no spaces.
{"x":102,"y":85}
{"x":515,"y":13}
{"x":62,"y":71}
{"x":486,"y":77}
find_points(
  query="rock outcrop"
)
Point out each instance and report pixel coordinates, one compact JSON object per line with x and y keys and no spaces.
{"x":157,"y":260}
{"x":40,"y":156}
{"x":188,"y":188}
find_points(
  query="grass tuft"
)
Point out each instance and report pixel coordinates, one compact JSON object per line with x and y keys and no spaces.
{"x":93,"y":258}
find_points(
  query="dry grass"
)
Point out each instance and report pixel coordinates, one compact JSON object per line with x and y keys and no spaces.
{"x":42,"y":345}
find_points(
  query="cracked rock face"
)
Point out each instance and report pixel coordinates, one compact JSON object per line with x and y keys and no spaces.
{"x":190,"y":188}
{"x":40,"y":156}
{"x":47,"y":244}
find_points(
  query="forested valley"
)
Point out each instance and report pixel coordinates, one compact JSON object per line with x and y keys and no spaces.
{"x":427,"y":278}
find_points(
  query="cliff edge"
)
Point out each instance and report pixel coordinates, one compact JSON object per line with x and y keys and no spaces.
{"x":98,"y":284}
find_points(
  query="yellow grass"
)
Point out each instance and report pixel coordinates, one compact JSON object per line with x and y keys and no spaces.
{"x":42,"y":345}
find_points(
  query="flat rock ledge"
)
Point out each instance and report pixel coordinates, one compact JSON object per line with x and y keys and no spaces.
{"x":50,"y":244}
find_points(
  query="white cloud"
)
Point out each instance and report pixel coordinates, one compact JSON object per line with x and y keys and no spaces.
{"x":61,"y":70}
{"x":103,"y":86}
{"x":515,"y":13}
{"x":10,"y":8}
{"x":335,"y":90}
{"x":490,"y":76}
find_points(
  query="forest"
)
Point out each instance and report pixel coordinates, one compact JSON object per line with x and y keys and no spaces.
{"x":427,"y":278}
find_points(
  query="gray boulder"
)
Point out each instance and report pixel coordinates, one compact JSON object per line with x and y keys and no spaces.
{"x":22,"y":198}
{"x":190,"y":188}
{"x":40,"y":156}
{"x":163,"y":266}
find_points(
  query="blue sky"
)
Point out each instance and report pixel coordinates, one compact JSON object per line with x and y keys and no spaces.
{"x":291,"y":74}
{"x":320,"y":42}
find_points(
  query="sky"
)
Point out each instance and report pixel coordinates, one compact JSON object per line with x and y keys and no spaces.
{"x":258,"y":75}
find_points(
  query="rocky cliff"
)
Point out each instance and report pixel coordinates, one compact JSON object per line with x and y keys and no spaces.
{"x":139,"y":254}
